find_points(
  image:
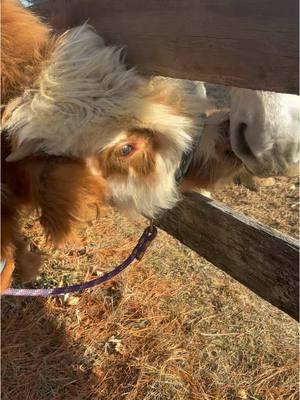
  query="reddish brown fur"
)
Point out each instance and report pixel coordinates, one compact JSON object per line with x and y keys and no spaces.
{"x":61,"y":189}
{"x":141,"y":159}
{"x":214,"y":172}
{"x":6,"y":274}
{"x":23,"y":39}
{"x":203,"y":174}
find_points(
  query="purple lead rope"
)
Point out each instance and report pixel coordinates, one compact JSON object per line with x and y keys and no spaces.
{"x":147,"y":237}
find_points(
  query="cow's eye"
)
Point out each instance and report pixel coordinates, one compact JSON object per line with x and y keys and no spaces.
{"x":126,"y":149}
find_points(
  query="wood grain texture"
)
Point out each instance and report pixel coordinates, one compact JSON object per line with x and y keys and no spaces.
{"x":248,"y":43}
{"x":257,"y":256}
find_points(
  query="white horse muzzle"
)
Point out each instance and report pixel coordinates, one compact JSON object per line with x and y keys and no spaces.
{"x":265,"y":131}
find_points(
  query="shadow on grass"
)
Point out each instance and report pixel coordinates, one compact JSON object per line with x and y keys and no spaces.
{"x":39,"y":361}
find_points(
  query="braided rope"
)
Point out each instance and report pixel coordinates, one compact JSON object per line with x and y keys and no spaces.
{"x":137,"y":253}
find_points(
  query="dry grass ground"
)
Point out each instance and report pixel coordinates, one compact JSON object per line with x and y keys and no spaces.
{"x":172,"y":327}
{"x":276,"y":206}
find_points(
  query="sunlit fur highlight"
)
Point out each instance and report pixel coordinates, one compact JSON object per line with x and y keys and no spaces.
{"x":86,"y":89}
{"x":23,"y":39}
{"x":86,"y":102}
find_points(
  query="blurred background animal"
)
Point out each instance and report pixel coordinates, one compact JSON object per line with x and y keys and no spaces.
{"x":264,"y":131}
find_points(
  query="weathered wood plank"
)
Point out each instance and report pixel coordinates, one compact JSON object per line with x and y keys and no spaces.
{"x":249,"y":43}
{"x":257,"y":256}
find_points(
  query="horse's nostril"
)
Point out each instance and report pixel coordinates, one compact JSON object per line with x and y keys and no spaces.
{"x":242,"y":127}
{"x":242,"y":144}
{"x":224,"y":129}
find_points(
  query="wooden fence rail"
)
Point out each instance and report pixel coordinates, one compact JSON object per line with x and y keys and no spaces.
{"x":244,"y":43}
{"x":261,"y":258}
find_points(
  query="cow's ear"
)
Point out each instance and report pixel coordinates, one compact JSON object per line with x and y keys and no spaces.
{"x":25,"y":149}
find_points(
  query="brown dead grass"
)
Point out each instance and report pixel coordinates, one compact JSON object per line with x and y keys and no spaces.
{"x":276,"y":206}
{"x":171,"y":327}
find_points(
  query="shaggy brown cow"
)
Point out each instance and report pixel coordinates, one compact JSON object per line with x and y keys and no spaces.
{"x":87,"y":129}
